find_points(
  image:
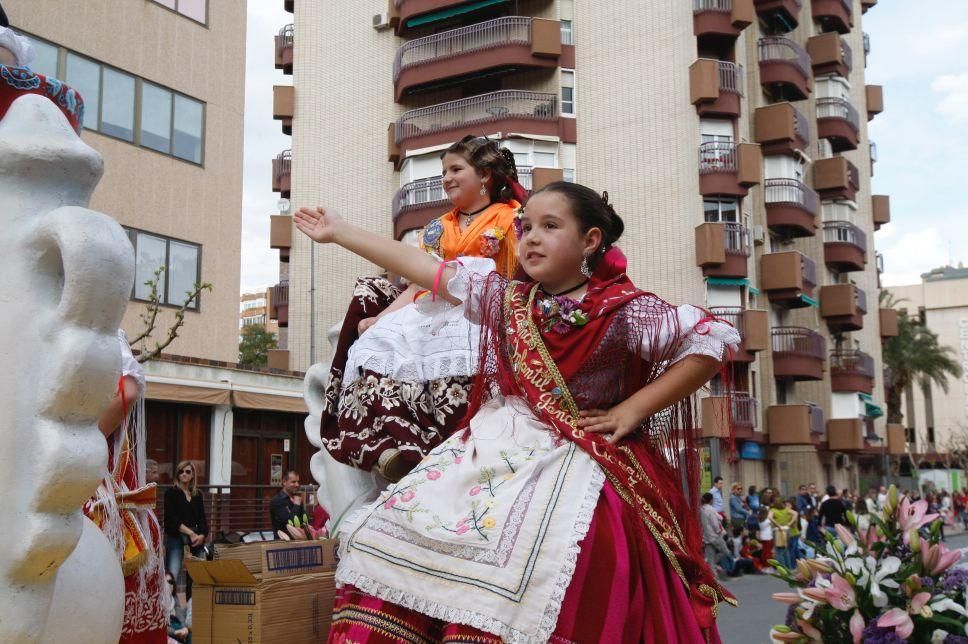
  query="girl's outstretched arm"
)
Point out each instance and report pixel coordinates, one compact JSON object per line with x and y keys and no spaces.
{"x":678,"y":381}
{"x":326,"y":227}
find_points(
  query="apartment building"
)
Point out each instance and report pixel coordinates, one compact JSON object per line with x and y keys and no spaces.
{"x":163,"y":83}
{"x":254,"y":309}
{"x":730,"y":134}
{"x":933,"y":417}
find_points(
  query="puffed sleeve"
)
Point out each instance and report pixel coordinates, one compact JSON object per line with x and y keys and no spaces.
{"x":18,"y":45}
{"x":130,"y":367}
{"x":694,"y":332}
{"x":467,"y":285}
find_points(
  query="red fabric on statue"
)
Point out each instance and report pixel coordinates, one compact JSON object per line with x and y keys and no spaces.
{"x":19,"y":81}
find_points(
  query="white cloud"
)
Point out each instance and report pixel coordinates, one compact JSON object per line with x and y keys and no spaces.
{"x":263,"y":140}
{"x":907,"y":256}
{"x":953,"y":103}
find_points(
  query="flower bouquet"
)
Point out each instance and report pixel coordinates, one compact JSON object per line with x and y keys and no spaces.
{"x":889,"y":582}
{"x":300,"y":529}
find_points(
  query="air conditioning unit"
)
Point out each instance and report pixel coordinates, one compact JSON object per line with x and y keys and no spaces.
{"x":759,"y":235}
{"x":381,"y":21}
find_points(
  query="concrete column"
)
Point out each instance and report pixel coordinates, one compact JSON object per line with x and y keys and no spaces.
{"x":220,"y":445}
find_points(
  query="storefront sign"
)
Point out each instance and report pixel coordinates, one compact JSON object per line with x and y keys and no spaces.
{"x":752,"y":451}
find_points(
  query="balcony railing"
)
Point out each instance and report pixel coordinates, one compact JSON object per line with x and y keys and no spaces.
{"x":809,"y":271}
{"x":838,"y":108}
{"x":730,"y":77}
{"x":848,"y":54}
{"x":817,"y":424}
{"x":430,"y":192}
{"x":514,"y":30}
{"x":851,"y":362}
{"x":736,"y":239}
{"x":743,"y":408}
{"x":860,"y":297}
{"x":790,"y":192}
{"x":283,"y":165}
{"x":717,"y":156}
{"x":844,"y":232}
{"x":236,"y":508}
{"x":287,"y":37}
{"x":879,"y":262}
{"x":725,"y":6}
{"x":798,"y":341}
{"x":782,"y":49}
{"x":279,"y":294}
{"x":731,"y":314}
{"x":465,"y":112}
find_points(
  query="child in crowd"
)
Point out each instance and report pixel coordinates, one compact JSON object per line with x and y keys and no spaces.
{"x":765,"y":536}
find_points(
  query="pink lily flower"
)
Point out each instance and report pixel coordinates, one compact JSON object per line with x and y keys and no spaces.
{"x":810,"y":631}
{"x":787,"y":598}
{"x":919,"y":605}
{"x":937,"y":558}
{"x":785,"y":636}
{"x":847,"y":538}
{"x":912,"y":516}
{"x":815,"y":594}
{"x":857,"y":626}
{"x":841,"y":594}
{"x":898,"y":619}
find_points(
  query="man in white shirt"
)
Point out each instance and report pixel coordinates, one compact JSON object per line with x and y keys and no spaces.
{"x":712,"y":531}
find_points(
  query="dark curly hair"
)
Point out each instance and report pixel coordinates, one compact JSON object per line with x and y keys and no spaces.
{"x":592,"y":211}
{"x":485,"y":154}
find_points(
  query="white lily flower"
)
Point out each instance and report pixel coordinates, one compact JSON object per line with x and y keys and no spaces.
{"x":858,"y":568}
{"x":949,"y":604}
{"x":881,"y":577}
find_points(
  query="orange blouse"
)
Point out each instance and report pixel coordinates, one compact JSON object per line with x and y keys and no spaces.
{"x":490,"y":234}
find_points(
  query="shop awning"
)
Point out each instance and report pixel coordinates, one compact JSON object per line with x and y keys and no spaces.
{"x":443,"y":14}
{"x":727,"y":281}
{"x":251,"y":400}
{"x":186,"y":394}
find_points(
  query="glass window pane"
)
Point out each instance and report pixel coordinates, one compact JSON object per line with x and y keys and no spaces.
{"x":729,"y":210}
{"x":194,"y":9}
{"x":182,"y":272}
{"x":155,"y":117}
{"x":45,"y":58}
{"x":544,"y":160}
{"x":187,"y":138}
{"x":149,"y":257}
{"x":167,"y":3}
{"x":710,"y":210}
{"x":117,"y":113}
{"x":85,"y":77}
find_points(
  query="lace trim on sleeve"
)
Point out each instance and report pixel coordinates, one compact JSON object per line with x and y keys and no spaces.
{"x":695,"y":331}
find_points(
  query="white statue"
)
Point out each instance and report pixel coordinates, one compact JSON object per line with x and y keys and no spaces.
{"x":65,"y":274}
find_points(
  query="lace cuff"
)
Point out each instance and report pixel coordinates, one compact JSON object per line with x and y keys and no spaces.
{"x":696,"y":333}
{"x":466,"y":285}
{"x":18,"y":45}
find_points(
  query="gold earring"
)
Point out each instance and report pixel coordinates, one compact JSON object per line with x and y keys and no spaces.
{"x":483,"y":186}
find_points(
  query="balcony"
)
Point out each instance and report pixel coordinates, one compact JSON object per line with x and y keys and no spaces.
{"x":484,"y":49}
{"x":791,"y":207}
{"x":722,"y":249}
{"x":835,"y":178}
{"x":753,"y":326}
{"x":866,"y":4}
{"x":279,"y":303}
{"x":896,"y":439}
{"x":874,"y":97}
{"x":742,"y":415}
{"x":798,"y":353}
{"x":781,"y":15}
{"x":717,"y":23}
{"x":844,"y":246}
{"x":846,"y":435}
{"x":505,"y":111}
{"x":283,"y":106}
{"x":888,"y":322}
{"x":851,"y":371}
{"x":837,"y":121}
{"x":784,"y":68}
{"x":795,"y":424}
{"x":407,"y":14}
{"x":881,"y":210}
{"x":282,"y":174}
{"x":830,"y":55}
{"x":416,"y":203}
{"x":277,"y":359}
{"x":285,"y":40}
{"x":280,"y":235}
{"x":781,"y":129}
{"x":716,"y":87}
{"x":788,"y":278}
{"x":728,"y":168}
{"x":834,"y":15}
{"x":843,"y":307}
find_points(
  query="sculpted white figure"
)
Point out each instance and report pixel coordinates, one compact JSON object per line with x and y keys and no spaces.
{"x":65,"y":276}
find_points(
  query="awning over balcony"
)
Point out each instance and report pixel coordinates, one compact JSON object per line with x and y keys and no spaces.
{"x":449,"y":12}
{"x":870,"y":409}
{"x":733,"y":281}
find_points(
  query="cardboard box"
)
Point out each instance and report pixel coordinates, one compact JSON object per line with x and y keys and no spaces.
{"x":230,"y":605}
{"x":282,"y":558}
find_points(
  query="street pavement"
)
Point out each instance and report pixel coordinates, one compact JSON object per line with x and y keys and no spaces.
{"x":757,"y":613}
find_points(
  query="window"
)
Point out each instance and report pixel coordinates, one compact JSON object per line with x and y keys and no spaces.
{"x":170,"y":123}
{"x":567,"y":92}
{"x":117,"y":111}
{"x":197,"y":10}
{"x":85,"y":76}
{"x":567,"y":35}
{"x":179,"y":263}
{"x":719,"y":210}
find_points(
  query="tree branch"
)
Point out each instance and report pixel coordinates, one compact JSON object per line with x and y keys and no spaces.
{"x":179,"y":321}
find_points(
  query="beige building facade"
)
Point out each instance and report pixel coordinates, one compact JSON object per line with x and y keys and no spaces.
{"x":730,"y":134}
{"x":941,"y":301}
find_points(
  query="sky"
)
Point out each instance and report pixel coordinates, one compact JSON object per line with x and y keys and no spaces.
{"x":919,"y":53}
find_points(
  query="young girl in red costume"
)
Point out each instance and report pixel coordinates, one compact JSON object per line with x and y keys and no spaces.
{"x":566,"y":511}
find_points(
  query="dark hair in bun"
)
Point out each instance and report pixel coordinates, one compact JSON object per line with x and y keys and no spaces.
{"x":591,"y":209}
{"x":485,"y":154}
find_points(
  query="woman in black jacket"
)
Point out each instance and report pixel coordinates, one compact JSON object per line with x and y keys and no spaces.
{"x":185,"y":522}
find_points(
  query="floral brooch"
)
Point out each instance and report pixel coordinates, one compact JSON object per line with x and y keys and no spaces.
{"x":561,"y":314}
{"x":491,"y":242}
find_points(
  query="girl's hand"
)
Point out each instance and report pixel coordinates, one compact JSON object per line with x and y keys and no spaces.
{"x":319,"y":224}
{"x":618,"y":421}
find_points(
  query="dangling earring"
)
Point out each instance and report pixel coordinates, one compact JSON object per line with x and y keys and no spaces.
{"x":585,"y":270}
{"x":483,"y":186}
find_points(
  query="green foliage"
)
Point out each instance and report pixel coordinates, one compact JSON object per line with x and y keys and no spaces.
{"x":255,"y":345}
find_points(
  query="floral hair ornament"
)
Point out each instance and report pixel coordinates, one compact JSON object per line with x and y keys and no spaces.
{"x":519,"y":222}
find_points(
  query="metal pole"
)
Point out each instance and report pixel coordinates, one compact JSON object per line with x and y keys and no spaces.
{"x":312,"y":303}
